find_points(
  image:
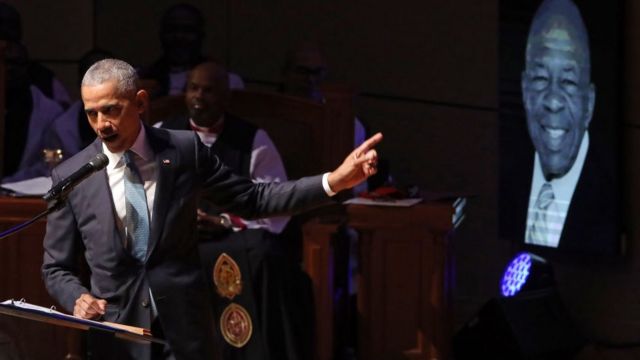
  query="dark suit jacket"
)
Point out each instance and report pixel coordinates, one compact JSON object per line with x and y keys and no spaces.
{"x":276,"y":293}
{"x":591,"y":226}
{"x":172,"y":270}
{"x":234,"y":144}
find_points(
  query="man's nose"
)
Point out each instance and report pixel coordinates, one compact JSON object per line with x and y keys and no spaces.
{"x":103,"y":122}
{"x":553,"y":100}
{"x":197,"y":94}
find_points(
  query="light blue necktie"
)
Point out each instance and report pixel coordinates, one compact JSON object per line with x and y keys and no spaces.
{"x":539,"y":231}
{"x":137,"y":217}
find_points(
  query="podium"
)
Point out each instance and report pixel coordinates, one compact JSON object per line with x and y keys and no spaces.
{"x":404,"y":280}
{"x":21,"y":309}
{"x":20,"y":276}
{"x":57,"y":337}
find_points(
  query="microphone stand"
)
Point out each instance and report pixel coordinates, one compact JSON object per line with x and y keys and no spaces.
{"x":52,"y":207}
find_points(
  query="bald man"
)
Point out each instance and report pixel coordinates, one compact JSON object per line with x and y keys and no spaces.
{"x":242,"y":146}
{"x":559,"y":100}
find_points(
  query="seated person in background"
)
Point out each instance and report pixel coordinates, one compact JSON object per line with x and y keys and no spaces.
{"x":304,"y":72}
{"x":245,"y":148}
{"x":40,"y":76}
{"x":181,"y":35}
{"x":29,"y":114}
{"x":71,"y":131}
{"x":270,"y":284}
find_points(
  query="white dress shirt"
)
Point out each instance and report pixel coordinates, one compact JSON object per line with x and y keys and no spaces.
{"x":146,"y":164}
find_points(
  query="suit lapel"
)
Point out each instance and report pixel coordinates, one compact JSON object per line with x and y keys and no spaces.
{"x":165,"y":157}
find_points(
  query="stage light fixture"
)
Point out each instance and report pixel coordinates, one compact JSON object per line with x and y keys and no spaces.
{"x":527,"y":322}
{"x":526,"y":273}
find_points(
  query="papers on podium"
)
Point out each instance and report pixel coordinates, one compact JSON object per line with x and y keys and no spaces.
{"x":50,"y":315}
{"x":383,"y":202}
{"x":31,"y":187}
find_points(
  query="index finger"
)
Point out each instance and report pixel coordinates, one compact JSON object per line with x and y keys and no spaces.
{"x":91,"y":303}
{"x":368,"y":144}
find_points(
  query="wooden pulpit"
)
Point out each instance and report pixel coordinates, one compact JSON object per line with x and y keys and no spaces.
{"x":404,"y":279}
{"x":20,"y":277}
{"x":3,"y":79}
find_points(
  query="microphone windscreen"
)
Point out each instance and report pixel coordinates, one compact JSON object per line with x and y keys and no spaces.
{"x":99,"y":161}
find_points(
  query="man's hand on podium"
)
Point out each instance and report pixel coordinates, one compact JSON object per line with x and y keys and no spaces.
{"x":88,"y":307}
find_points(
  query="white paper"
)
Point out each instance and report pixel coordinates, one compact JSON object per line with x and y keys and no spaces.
{"x":31,"y":187}
{"x":48,"y":311}
{"x":398,"y":202}
{"x":26,"y":305}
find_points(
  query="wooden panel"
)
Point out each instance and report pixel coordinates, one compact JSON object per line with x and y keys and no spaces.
{"x":311,"y":138}
{"x":297,"y":139}
{"x":162,"y":108}
{"x":20,"y":277}
{"x":3,"y":70}
{"x":403,"y":282}
{"x":318,"y":264}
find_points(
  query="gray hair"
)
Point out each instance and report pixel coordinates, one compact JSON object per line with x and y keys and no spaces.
{"x":116,"y":70}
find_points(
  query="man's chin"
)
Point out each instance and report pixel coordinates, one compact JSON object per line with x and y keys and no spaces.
{"x":196,"y":115}
{"x":204,"y":120}
{"x":556,"y":169}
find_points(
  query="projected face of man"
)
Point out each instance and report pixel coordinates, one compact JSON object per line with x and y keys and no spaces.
{"x":557,"y":92}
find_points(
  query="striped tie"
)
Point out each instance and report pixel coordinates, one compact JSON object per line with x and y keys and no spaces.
{"x":137,"y":217}
{"x":539,"y":228}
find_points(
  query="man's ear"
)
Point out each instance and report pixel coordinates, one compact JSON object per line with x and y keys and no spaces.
{"x":142,"y":101}
{"x":523,"y":87}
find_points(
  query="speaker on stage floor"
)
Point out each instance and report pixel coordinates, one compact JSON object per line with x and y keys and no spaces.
{"x":533,"y":326}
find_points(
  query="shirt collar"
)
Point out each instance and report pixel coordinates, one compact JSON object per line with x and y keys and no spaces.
{"x":140,"y":147}
{"x":564,"y":186}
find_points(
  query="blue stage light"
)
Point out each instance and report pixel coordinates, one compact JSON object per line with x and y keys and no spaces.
{"x":516,"y":274}
{"x":526,"y":273}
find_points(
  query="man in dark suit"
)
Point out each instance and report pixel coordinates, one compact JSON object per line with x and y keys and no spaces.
{"x":135,"y":221}
{"x":570,"y":204}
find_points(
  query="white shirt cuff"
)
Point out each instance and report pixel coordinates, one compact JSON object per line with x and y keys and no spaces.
{"x":325,"y":184}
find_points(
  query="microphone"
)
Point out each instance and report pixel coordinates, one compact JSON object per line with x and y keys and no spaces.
{"x":64,"y":187}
